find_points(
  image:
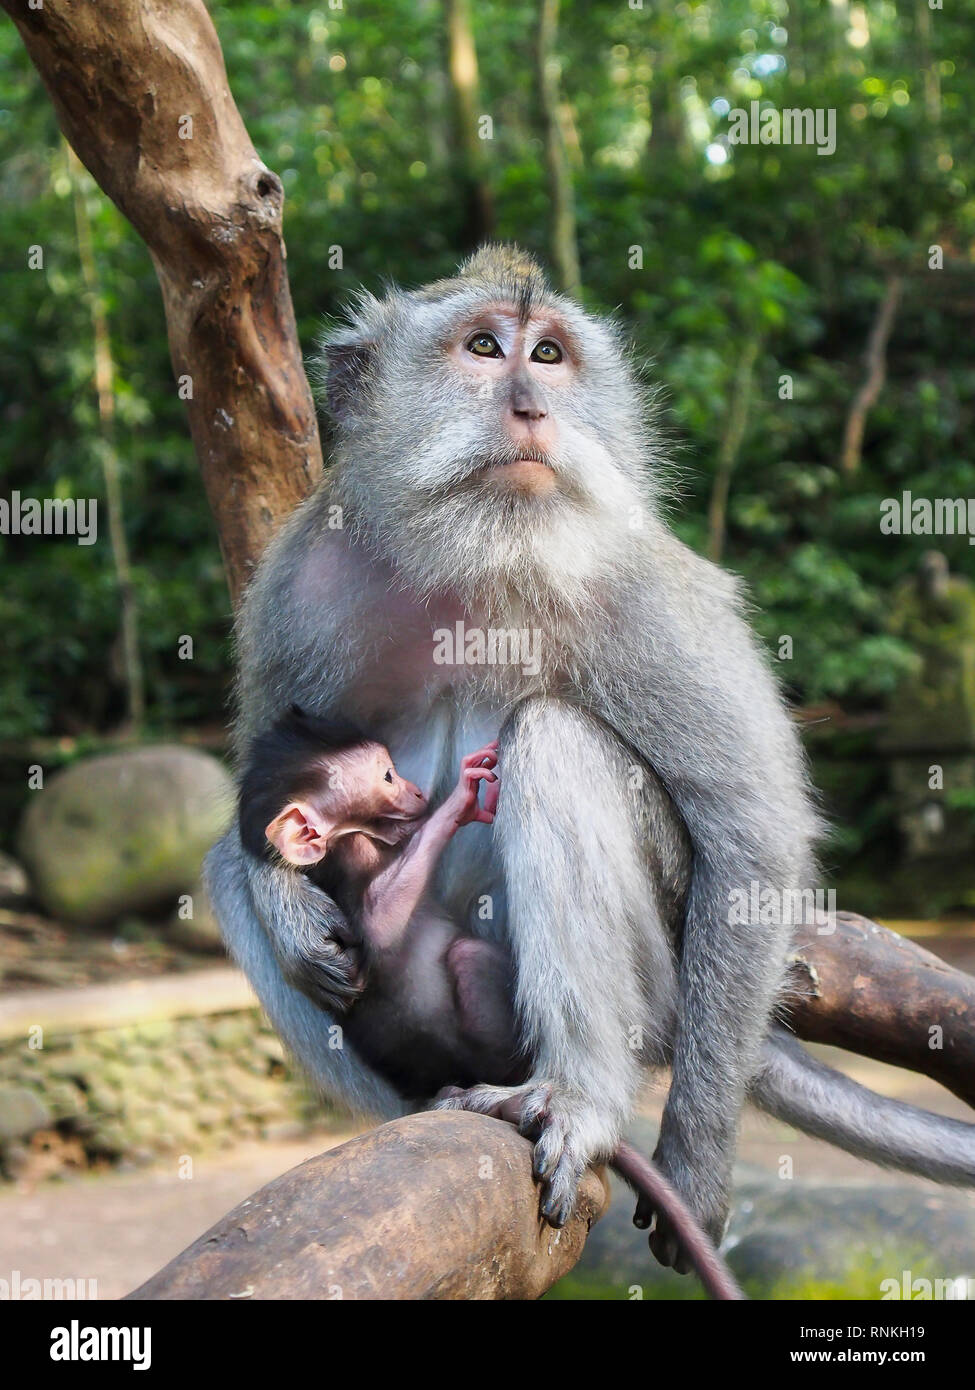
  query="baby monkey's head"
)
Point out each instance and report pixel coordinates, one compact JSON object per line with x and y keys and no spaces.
{"x":309,"y":783}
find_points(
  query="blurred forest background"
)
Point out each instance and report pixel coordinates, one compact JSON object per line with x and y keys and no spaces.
{"x":608,"y":133}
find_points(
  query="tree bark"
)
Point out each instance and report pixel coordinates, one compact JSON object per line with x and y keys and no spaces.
{"x":439,"y":1205}
{"x":141,"y":93}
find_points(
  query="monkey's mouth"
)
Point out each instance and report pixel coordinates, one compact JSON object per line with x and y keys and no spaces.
{"x":525,"y":471}
{"x":396,"y":827}
{"x":519,"y":456}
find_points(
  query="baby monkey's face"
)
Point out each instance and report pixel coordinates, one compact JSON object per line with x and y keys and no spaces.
{"x":374,"y":789}
{"x":353,"y":790}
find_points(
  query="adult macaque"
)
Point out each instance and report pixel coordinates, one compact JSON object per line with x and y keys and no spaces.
{"x":435,"y":1007}
{"x":492,"y":471}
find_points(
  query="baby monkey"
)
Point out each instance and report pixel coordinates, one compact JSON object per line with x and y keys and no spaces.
{"x":434,"y":1008}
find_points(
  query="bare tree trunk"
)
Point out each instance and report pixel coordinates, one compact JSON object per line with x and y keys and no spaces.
{"x":108,"y":454}
{"x":876,"y":361}
{"x":470,"y":160}
{"x":141,"y":94}
{"x":731,"y":441}
{"x":565,"y":251}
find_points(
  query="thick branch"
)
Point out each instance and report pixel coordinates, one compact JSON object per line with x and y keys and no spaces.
{"x":865,"y":988}
{"x":439,"y":1205}
{"x":141,"y":93}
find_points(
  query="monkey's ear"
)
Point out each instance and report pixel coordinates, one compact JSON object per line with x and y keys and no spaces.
{"x":298,"y":834}
{"x":346,"y":368}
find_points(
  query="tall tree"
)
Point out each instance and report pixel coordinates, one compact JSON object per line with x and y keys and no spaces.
{"x":563,"y":238}
{"x":470,"y":160}
{"x":104,"y":373}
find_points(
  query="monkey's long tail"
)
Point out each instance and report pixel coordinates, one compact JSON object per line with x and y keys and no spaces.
{"x":647,"y":1180}
{"x":795,"y":1087}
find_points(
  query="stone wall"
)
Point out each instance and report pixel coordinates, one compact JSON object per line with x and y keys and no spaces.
{"x":79,"y":1090}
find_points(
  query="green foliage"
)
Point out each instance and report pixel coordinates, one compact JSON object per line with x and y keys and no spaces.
{"x":739,"y":243}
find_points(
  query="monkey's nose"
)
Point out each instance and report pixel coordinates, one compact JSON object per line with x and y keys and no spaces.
{"x":526,"y":404}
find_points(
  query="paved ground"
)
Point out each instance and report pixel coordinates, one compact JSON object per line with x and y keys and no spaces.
{"x":121,"y":1227}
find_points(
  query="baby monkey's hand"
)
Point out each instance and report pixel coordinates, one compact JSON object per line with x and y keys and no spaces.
{"x":463,"y":802}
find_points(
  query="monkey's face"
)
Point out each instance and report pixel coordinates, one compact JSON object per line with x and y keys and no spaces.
{"x":388,"y":797}
{"x":365,"y":792}
{"x":357,"y":790}
{"x":489,"y":434}
{"x":519,"y":366}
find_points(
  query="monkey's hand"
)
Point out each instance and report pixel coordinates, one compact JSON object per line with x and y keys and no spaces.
{"x":315,"y":946}
{"x":568,"y":1135}
{"x":463,"y":804}
{"x":706,"y":1197}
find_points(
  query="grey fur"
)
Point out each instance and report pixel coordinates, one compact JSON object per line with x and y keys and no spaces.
{"x":638,"y":632}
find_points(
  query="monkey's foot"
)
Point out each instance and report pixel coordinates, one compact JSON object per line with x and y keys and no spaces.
{"x":710,"y":1209}
{"x":567,"y":1134}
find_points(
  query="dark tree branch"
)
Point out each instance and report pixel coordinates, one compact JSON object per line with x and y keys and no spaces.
{"x":876,"y":364}
{"x":869,"y":990}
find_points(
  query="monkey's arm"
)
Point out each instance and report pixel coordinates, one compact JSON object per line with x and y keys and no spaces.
{"x":309,"y":1033}
{"x":294,"y":631}
{"x":394,"y":894}
{"x":707,"y":716}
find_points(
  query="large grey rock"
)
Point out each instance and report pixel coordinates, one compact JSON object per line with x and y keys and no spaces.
{"x":194,"y":924}
{"x":123,"y":832}
{"x":832,"y":1232}
{"x":21,"y":1113}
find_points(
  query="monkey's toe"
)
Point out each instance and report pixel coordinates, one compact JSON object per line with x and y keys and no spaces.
{"x":665,"y":1247}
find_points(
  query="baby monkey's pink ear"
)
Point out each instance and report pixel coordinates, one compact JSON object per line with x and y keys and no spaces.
{"x":298,"y":834}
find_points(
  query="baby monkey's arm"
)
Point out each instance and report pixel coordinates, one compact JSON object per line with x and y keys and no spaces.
{"x":395,"y":893}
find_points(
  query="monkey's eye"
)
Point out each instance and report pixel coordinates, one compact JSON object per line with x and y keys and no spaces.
{"x":389,"y":775}
{"x":548,"y":352}
{"x":484,"y":345}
